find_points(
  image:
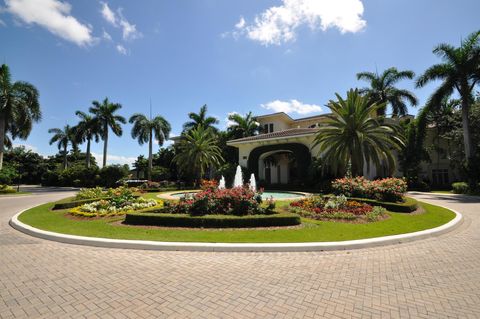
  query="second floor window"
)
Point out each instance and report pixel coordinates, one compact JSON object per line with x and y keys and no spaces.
{"x":268,"y":128}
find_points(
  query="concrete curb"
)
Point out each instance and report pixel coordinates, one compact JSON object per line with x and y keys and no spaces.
{"x":235,"y":247}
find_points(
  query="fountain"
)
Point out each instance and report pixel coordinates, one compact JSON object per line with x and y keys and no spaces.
{"x":238,"y":181}
{"x":253,"y":183}
{"x":221,"y":184}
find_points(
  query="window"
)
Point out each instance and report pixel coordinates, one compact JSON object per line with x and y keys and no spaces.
{"x":271,"y":128}
{"x":265,"y":128}
{"x":440,"y":177}
{"x":268,"y":128}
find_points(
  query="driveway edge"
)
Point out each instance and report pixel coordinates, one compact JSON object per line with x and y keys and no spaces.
{"x":236,"y":247}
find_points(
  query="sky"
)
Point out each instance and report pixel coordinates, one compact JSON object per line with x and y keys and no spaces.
{"x":235,"y":56}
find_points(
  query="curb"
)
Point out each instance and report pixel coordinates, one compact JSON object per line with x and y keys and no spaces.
{"x":236,"y":247}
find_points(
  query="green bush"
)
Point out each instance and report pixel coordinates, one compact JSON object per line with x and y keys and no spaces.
{"x":161,"y":173}
{"x":211,"y":221}
{"x":74,"y":203}
{"x":8,"y":175}
{"x":110,"y":175}
{"x":460,"y":188}
{"x":5,"y":189}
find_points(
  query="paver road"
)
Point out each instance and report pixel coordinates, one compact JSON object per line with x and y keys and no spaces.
{"x":432,"y":278}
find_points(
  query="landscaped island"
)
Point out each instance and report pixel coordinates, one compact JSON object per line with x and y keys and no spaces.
{"x":240,"y":215}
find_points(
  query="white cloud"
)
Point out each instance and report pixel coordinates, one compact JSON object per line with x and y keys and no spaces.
{"x":106,"y":36}
{"x":108,"y":14}
{"x":54,"y":15}
{"x":129,"y":30}
{"x":279,"y":24}
{"x":114,"y":159}
{"x":121,"y":49}
{"x":292,"y":106}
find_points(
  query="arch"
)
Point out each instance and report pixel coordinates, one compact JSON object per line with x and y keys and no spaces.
{"x":301,"y":152}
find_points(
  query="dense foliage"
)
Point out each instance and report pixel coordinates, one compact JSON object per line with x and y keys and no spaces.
{"x":387,"y":189}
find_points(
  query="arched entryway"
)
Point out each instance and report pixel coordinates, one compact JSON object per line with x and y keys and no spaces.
{"x":280,"y":163}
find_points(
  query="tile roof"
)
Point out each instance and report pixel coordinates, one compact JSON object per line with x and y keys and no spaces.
{"x":277,"y":134}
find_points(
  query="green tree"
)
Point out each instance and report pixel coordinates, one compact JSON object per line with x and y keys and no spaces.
{"x":243,"y":126}
{"x":354,"y":135}
{"x":87,"y":129}
{"x":382,"y":90}
{"x":31,"y":165}
{"x":105,"y":114}
{"x":460,"y":71}
{"x":197,"y":151}
{"x":200,"y":119}
{"x":19,"y":108}
{"x":145,"y":130}
{"x":63,"y":137}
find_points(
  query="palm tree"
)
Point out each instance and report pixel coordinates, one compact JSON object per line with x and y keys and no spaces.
{"x":460,"y":71}
{"x":353,"y":134}
{"x":19,"y":108}
{"x":63,"y":137}
{"x":144,"y":130}
{"x":105,"y":114}
{"x":382,"y":90}
{"x":200,"y":119}
{"x":243,"y":126}
{"x":197,"y":151}
{"x":87,"y":129}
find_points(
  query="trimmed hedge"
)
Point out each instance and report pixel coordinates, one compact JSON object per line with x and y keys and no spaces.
{"x":211,"y":221}
{"x":408,"y":206}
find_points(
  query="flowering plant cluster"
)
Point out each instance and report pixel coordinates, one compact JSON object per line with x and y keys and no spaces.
{"x":334,"y":207}
{"x":387,"y":189}
{"x":237,"y":201}
{"x":206,"y":184}
{"x":121,"y":201}
{"x":89,"y":193}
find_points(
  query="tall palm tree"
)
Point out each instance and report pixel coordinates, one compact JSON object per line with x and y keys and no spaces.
{"x":460,"y":71}
{"x":382,"y":90}
{"x":243,"y":126}
{"x":19,"y":108}
{"x":200,"y":118}
{"x":63,"y":137}
{"x":144,"y":130}
{"x":354,"y":134}
{"x":87,"y":129}
{"x":105,"y":114}
{"x":197,"y":151}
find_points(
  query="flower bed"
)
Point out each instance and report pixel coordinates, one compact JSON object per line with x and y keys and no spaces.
{"x":122,"y":201}
{"x":238,"y":201}
{"x":387,"y":189}
{"x":336,"y":208}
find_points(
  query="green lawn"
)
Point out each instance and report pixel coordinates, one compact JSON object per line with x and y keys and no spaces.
{"x":42,"y":217}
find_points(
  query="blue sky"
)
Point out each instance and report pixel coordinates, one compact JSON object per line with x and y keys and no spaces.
{"x":234,"y":56}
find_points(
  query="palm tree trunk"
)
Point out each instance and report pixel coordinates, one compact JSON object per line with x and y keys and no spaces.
{"x":467,"y":139}
{"x":2,"y":139}
{"x":150,"y":157}
{"x":105,"y":145}
{"x":88,"y":152}
{"x":65,"y":163}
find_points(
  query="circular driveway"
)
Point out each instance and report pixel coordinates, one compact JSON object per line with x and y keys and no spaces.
{"x":432,"y":278}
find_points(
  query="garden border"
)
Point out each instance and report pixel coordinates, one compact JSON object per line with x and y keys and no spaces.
{"x":235,"y":247}
{"x":168,"y":195}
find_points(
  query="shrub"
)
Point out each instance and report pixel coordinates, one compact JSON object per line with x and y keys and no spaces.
{"x":161,"y":173}
{"x":460,"y":188}
{"x":211,"y":221}
{"x":5,"y":189}
{"x":376,"y":213}
{"x":407,"y":206}
{"x":387,"y":189}
{"x":110,"y":175}
{"x":91,"y":193}
{"x":8,"y":175}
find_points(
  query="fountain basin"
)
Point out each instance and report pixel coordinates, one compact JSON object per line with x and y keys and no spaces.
{"x":275,"y":195}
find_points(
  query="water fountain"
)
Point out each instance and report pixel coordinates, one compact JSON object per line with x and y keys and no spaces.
{"x":238,"y":181}
{"x":253,"y":183}
{"x":221,"y":184}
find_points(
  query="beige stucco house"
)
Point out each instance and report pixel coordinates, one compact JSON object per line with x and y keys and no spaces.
{"x":282,"y":153}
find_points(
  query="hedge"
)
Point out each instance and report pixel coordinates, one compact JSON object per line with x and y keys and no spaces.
{"x":211,"y":221}
{"x":408,"y":206}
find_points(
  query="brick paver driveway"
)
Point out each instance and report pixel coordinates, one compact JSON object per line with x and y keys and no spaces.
{"x":433,"y":278}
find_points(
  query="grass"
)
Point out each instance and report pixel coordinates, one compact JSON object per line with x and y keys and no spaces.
{"x":43,"y":218}
{"x":442,"y":192}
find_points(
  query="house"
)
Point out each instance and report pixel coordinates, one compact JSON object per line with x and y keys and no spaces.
{"x":282,"y":153}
